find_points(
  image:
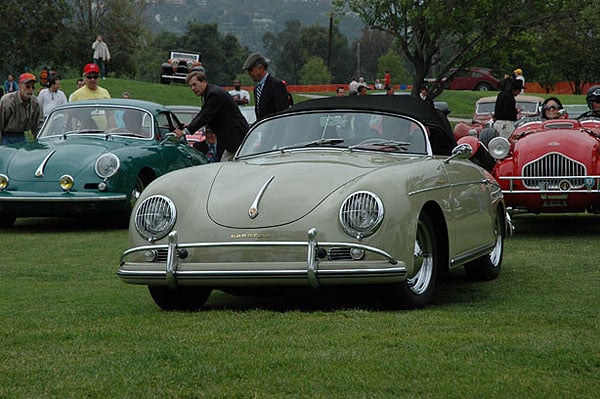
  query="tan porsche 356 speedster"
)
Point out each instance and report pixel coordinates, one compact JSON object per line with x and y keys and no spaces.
{"x":368,"y":191}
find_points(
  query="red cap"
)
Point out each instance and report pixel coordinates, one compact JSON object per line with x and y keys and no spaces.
{"x":26,"y":77}
{"x":91,"y":68}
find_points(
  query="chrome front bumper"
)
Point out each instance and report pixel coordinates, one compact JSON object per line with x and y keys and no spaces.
{"x":173,"y":272}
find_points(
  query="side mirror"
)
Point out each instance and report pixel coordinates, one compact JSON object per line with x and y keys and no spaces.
{"x":461,"y":151}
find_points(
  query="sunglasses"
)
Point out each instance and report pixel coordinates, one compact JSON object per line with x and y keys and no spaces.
{"x":91,"y":76}
{"x":551,"y":107}
{"x":30,"y":85}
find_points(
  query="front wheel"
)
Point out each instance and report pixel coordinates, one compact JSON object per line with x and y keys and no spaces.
{"x":488,"y":267}
{"x":416,"y":290}
{"x":181,"y":298}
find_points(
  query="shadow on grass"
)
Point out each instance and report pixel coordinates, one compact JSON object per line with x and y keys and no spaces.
{"x":556,"y":225}
{"x":64,"y":224}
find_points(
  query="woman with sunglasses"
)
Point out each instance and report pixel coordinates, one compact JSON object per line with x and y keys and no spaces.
{"x":552,"y":108}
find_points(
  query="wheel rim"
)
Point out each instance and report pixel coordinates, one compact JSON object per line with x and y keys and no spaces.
{"x":420,"y":282}
{"x":496,"y":254}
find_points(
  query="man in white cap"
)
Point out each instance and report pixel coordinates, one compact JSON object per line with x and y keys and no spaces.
{"x":20,"y":111}
{"x":90,"y":89}
{"x":270,"y":94}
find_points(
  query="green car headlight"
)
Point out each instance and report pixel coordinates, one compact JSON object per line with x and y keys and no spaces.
{"x":107,"y":165}
{"x":155,"y":217}
{"x":3,"y":182}
{"x":361,"y":214}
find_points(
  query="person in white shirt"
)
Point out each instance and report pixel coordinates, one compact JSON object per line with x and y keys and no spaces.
{"x":52,"y":96}
{"x":240,"y":96}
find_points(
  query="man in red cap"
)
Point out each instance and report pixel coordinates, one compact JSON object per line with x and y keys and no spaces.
{"x":20,"y":111}
{"x":90,"y":89}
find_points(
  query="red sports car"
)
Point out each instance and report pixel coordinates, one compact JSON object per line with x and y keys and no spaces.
{"x":550,"y":166}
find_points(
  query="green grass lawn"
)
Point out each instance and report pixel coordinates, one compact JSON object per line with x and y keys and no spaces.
{"x":461,"y":102}
{"x":70,"y":329}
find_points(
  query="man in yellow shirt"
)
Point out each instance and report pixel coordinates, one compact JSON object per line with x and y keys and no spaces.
{"x":90,"y":89}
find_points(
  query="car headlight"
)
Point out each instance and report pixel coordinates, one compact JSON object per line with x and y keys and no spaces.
{"x":499,"y":147}
{"x":3,"y":182}
{"x":107,"y":165}
{"x":155,"y":217}
{"x":66,"y":182}
{"x":361,"y":214}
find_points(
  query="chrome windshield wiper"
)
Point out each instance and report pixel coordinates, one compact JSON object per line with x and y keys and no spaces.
{"x":314,"y":143}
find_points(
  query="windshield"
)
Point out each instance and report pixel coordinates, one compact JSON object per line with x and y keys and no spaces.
{"x":98,"y":120}
{"x":337,"y":129}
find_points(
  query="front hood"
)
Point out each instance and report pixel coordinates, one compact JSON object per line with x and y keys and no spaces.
{"x":575,"y":144}
{"x":54,"y":159}
{"x":279,"y":190}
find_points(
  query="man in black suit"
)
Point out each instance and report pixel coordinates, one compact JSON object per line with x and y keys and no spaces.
{"x":270,"y":94}
{"x":220,"y":111}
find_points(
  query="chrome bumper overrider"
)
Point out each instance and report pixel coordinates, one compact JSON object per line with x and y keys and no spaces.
{"x":141,"y":273}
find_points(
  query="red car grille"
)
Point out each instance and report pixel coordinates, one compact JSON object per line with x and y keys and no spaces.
{"x":552,"y":169}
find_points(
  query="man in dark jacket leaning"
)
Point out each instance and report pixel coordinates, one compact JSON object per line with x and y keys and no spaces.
{"x":270,"y":94}
{"x":220,"y":111}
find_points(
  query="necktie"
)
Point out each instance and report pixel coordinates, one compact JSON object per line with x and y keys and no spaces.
{"x":258,"y":92}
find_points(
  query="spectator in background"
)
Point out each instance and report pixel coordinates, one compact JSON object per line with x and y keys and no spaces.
{"x":101,"y":55}
{"x":240,"y":96}
{"x":353,"y":87}
{"x":52,"y":96}
{"x":387,"y":79}
{"x":270,"y":94}
{"x":518,"y":74}
{"x":340,"y":92}
{"x":90,"y":90}
{"x":361,"y":82}
{"x":219,"y":111}
{"x":505,"y":109}
{"x":362,"y":90}
{"x":389,"y":90}
{"x":10,"y":85}
{"x":80,"y":84}
{"x":20,"y":111}
{"x":424,"y":95}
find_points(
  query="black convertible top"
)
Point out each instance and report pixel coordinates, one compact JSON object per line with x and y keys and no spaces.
{"x":441,"y":137}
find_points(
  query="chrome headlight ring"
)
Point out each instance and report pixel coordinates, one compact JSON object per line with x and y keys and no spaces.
{"x":361,"y":214}
{"x":155,"y":217}
{"x":499,"y":147}
{"x":107,"y":165}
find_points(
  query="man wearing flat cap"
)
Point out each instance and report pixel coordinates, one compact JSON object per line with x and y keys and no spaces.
{"x":270,"y":94}
{"x":20,"y":111}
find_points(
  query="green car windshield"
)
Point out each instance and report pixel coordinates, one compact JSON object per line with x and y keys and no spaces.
{"x":339,"y":129}
{"x":98,"y":120}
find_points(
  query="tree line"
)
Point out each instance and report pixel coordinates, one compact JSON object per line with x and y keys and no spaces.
{"x":551,"y":40}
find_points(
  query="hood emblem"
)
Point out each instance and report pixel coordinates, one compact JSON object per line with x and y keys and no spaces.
{"x":553,"y":144}
{"x":39,"y":172}
{"x":253,"y":211}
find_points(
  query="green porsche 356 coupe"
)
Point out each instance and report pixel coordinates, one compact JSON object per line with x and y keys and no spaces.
{"x":89,"y":158}
{"x":337,"y":191}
